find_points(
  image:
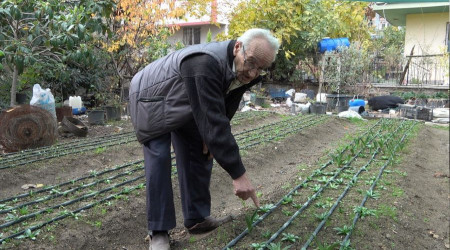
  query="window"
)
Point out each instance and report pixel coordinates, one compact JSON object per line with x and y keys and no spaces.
{"x":191,"y":36}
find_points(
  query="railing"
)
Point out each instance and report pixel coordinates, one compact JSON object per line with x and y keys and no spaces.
{"x":422,"y":70}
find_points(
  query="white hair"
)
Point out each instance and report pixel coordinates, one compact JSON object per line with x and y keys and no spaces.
{"x":251,"y":34}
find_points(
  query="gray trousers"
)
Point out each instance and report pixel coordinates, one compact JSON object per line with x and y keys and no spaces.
{"x":194,"y":175}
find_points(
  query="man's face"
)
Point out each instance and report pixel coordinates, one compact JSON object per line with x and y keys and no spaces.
{"x":251,"y":61}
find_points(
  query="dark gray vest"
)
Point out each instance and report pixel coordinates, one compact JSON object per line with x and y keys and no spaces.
{"x":158,"y":100}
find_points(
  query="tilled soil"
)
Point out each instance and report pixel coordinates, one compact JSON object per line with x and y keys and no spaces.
{"x":420,"y":220}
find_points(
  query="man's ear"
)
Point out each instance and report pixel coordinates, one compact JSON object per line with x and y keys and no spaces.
{"x":237,"y":47}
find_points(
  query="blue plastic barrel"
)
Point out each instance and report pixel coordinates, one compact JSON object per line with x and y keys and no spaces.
{"x":330,"y":44}
{"x":356,"y":102}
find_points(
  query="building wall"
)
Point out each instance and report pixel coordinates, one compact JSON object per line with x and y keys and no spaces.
{"x":426,"y":32}
{"x":178,"y":36}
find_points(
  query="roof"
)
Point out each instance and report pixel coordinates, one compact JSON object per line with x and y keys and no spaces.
{"x":396,"y":13}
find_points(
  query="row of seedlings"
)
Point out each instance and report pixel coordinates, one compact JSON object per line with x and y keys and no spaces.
{"x":84,"y":145}
{"x":24,"y":214}
{"x":320,"y":191}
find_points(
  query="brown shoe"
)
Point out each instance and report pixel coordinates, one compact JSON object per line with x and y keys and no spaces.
{"x":208,"y":224}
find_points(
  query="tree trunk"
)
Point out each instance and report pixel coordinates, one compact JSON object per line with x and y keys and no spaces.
{"x":14,"y":86}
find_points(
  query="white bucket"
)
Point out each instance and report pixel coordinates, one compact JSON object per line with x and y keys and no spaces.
{"x":321,"y":97}
{"x":75,"y":102}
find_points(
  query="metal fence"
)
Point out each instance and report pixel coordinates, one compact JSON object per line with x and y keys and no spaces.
{"x":422,"y":70}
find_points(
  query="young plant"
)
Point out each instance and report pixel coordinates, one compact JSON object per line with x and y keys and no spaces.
{"x":250,"y":219}
{"x":321,"y":216}
{"x":364,"y":211}
{"x":266,"y":208}
{"x":277,"y":246}
{"x":258,"y":246}
{"x":372,"y":194}
{"x":287,"y":199}
{"x":266,"y":234}
{"x":286,"y":212}
{"x":29,"y":234}
{"x":343,"y":230}
{"x":289,"y":237}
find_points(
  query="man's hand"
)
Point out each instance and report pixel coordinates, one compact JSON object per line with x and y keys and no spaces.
{"x":244,"y":189}
{"x":206,"y":152}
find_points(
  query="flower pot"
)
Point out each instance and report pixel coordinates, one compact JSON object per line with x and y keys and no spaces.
{"x":96,"y":117}
{"x":317,"y":108}
{"x":112,"y":113}
{"x":259,"y":101}
{"x":334,"y":99}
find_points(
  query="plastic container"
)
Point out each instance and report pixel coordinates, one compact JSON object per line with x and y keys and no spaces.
{"x":357,"y":102}
{"x":75,"y":102}
{"x":331,"y":44}
{"x":334,"y":101}
{"x":321,"y":97}
{"x":96,"y":117}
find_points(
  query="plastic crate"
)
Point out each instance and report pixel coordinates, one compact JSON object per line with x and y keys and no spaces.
{"x":416,"y":112}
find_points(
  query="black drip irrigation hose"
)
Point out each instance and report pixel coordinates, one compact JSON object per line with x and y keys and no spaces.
{"x":71,"y":181}
{"x":357,"y":215}
{"x":306,"y":204}
{"x":283,"y":127}
{"x":290,"y":119}
{"x":114,"y":143}
{"x":261,"y":218}
{"x":38,"y":155}
{"x":349,"y":185}
{"x":57,"y":146}
{"x":64,"y":193}
{"x":288,"y":132}
{"x":66,"y":203}
{"x":36,"y":227}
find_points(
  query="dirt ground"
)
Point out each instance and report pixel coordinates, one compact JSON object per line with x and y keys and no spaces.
{"x":420,"y":219}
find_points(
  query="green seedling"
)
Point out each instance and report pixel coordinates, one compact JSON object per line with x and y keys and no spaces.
{"x":29,"y":234}
{"x":287,"y":199}
{"x":338,"y":181}
{"x":23,"y":210}
{"x":250,"y":219}
{"x":321,"y":216}
{"x":258,"y":246}
{"x":266,"y":208}
{"x":277,"y":246}
{"x":298,"y":206}
{"x":266,"y":234}
{"x":324,"y":179}
{"x":334,"y":186}
{"x":343,"y":230}
{"x":346,"y":245}
{"x":316,"y":187}
{"x":372,"y":194}
{"x":325,"y":246}
{"x":286,"y":212}
{"x":320,"y":205}
{"x":289,"y":237}
{"x":364,"y":211}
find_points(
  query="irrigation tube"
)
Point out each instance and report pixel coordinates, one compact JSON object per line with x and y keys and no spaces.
{"x":288,"y":132}
{"x":355,"y":220}
{"x":126,"y":140}
{"x":62,"y":147}
{"x":290,"y":119}
{"x":37,"y":150}
{"x":59,"y":194}
{"x":261,"y":218}
{"x":33,"y":228}
{"x":306,"y":204}
{"x":265,"y":134}
{"x":71,"y":181}
{"x":20,"y":219}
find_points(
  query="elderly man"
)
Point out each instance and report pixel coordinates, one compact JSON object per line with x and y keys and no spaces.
{"x":188,"y":98}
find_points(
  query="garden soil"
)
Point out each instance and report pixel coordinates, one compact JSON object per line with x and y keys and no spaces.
{"x":421,"y":220}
